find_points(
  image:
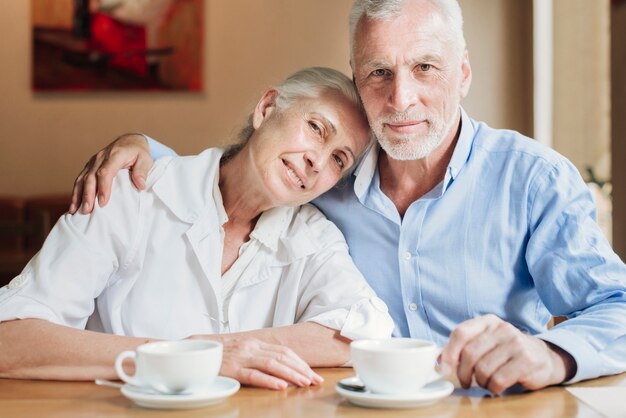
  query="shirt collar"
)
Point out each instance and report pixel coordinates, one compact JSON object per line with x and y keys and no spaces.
{"x":364,"y":173}
{"x":461,"y":150}
{"x":192,"y":200}
{"x":271,"y":225}
{"x":222,"y":216}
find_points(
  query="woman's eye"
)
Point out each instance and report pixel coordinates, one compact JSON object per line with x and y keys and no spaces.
{"x":316,"y":128}
{"x":339,"y":161}
{"x":426,"y":67}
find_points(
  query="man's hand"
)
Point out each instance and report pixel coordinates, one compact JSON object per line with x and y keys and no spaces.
{"x":498,"y":355}
{"x":256,"y":363}
{"x":128,"y":151}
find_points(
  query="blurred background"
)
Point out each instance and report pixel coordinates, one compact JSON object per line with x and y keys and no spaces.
{"x":551,"y":69}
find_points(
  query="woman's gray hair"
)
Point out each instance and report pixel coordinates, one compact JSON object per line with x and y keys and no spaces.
{"x":388,"y":9}
{"x":309,"y":82}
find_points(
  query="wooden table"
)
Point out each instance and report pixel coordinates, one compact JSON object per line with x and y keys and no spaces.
{"x":20,"y":399}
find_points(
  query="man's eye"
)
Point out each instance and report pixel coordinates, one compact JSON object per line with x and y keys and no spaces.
{"x":426,"y":67}
{"x":316,"y":128}
{"x":339,"y":161}
{"x":378,"y":73}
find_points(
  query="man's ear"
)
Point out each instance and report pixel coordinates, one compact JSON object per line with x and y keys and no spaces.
{"x":466,"y":74}
{"x":264,"y":108}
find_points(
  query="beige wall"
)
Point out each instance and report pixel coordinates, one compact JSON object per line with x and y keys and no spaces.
{"x":618,"y":59}
{"x":250,"y":44}
{"x":499,"y":41}
{"x":582,"y":100}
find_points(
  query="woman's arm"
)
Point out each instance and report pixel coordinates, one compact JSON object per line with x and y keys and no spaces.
{"x":39,"y":349}
{"x":270,"y":356}
{"x":316,"y":344}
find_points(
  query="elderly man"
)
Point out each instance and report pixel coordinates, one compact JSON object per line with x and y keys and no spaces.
{"x":474,"y":237}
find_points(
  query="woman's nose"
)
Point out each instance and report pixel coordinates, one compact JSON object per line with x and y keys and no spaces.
{"x":315,"y":160}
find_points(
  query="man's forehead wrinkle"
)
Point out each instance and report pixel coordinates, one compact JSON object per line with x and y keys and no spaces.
{"x":417,"y":46}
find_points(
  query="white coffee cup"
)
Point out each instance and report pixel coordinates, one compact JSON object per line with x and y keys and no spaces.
{"x":173,"y":367}
{"x":395,"y":365}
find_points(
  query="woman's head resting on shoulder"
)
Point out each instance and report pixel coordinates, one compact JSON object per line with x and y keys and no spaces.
{"x":302,"y":137}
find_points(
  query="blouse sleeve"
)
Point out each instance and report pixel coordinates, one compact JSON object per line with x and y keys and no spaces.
{"x":77,"y":261}
{"x":334,"y":293}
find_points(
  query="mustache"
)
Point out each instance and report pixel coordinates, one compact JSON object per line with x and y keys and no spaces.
{"x":402,"y":117}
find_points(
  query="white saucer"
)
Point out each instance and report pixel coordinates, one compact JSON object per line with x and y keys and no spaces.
{"x":216,"y":392}
{"x":427,"y":395}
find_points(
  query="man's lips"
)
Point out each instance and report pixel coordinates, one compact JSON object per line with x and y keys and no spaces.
{"x":405,"y":127}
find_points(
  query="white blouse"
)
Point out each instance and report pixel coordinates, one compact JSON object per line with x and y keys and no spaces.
{"x":149,"y":264}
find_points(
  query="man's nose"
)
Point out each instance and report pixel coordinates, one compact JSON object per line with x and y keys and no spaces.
{"x":404,"y":92}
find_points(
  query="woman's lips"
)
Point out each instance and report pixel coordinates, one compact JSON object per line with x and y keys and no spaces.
{"x":294,"y":175}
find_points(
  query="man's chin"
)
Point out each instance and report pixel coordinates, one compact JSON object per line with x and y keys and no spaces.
{"x":406,"y":149}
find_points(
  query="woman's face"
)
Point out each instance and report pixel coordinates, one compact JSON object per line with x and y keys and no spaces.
{"x":300,"y":152}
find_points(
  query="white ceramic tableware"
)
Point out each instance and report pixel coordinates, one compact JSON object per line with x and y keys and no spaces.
{"x":173,"y":367}
{"x":395,"y":366}
{"x":217,"y":392}
{"x":427,"y":395}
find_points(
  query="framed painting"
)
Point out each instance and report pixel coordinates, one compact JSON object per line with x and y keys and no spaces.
{"x":121,"y":45}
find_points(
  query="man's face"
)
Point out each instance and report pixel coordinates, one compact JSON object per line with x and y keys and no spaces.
{"x":411,"y":76}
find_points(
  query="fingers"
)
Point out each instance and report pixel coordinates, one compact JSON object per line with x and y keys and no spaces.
{"x":77,"y":190}
{"x":127,"y":151}
{"x":490,"y":364}
{"x":254,"y":377}
{"x":295,"y":367}
{"x":505,"y":376}
{"x":498,"y":355}
{"x":107,"y":171}
{"x":267,"y":365}
{"x":462,"y":335}
{"x":481,"y":357}
{"x":139,"y":172}
{"x":88,"y":195}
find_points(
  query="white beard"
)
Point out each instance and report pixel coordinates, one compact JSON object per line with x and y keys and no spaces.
{"x":407,"y":148}
{"x":411,"y":147}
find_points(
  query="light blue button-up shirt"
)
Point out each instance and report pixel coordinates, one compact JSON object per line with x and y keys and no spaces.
{"x":509,"y":231}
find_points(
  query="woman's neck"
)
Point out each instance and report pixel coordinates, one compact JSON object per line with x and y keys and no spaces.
{"x":242,"y":200}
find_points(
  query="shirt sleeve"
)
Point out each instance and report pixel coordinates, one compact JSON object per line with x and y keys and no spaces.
{"x":77,"y":261}
{"x":577,"y":274}
{"x":335,"y":294}
{"x":158,"y":150}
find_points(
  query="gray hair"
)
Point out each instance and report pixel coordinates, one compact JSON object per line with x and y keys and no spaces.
{"x":388,"y":9}
{"x":307,"y":83}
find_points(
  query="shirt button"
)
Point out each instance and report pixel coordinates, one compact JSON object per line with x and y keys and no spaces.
{"x":413,"y":307}
{"x":407,"y":255}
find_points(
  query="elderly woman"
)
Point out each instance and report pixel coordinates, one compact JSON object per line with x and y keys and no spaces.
{"x":217,"y":246}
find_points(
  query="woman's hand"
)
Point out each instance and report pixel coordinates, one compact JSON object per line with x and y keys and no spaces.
{"x":128,"y":151}
{"x":257,"y":363}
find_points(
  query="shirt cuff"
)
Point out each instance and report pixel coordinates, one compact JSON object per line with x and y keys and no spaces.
{"x":367,"y":318}
{"x":158,"y":150}
{"x":589,"y":363}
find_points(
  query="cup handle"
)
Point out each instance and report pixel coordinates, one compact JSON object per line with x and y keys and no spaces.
{"x":120,"y":370}
{"x":436,"y":374}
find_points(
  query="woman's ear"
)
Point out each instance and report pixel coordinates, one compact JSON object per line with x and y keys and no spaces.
{"x":264,"y":107}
